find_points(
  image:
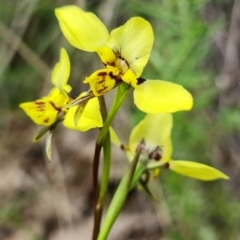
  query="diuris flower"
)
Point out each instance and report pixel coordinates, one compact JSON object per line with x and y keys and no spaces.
{"x":124,"y":52}
{"x":153,"y":136}
{"x":46,"y":110}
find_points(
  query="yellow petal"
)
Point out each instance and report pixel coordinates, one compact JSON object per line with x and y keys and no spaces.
{"x":133,"y":42}
{"x":114,"y":138}
{"x":102,"y":81}
{"x":44,"y":111}
{"x":155,"y":131}
{"x":82,"y":29}
{"x":57,"y":98}
{"x":61,"y":72}
{"x":130,"y":78}
{"x":40,"y":111}
{"x":114,"y":41}
{"x":90,"y":118}
{"x":108,"y":57}
{"x":196,"y":170}
{"x":156,"y":96}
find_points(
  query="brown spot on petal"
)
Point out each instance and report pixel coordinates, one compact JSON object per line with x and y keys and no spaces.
{"x":102,"y":90}
{"x":115,"y":77}
{"x":40,"y":103}
{"x":102,"y":74}
{"x":46,"y":120}
{"x":40,"y":106}
{"x":55,"y":107}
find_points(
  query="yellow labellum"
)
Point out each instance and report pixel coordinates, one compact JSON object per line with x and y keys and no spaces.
{"x":102,"y":81}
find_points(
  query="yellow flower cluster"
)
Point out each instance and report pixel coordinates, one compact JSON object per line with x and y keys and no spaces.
{"x":153,"y":135}
{"x":124,"y":53}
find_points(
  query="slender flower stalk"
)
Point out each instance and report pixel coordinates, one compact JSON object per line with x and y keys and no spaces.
{"x":119,"y":198}
{"x":99,"y":196}
{"x":103,"y":140}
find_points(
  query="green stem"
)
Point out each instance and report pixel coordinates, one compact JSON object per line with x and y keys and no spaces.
{"x":104,"y":140}
{"x":140,"y":169}
{"x":119,"y":199}
{"x":118,"y":100}
{"x":103,"y":186}
{"x":106,"y":166}
{"x":98,"y":147}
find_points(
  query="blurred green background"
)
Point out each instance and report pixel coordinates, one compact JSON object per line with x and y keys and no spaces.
{"x":197,"y":45}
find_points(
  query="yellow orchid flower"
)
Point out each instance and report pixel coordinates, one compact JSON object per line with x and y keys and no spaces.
{"x":124,"y":52}
{"x":45,"y":110}
{"x":153,"y":136}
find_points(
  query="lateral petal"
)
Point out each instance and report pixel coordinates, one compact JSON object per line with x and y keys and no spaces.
{"x":156,"y":96}
{"x":40,"y":111}
{"x":84,"y":30}
{"x":44,"y":111}
{"x":61,"y":72}
{"x":196,"y":170}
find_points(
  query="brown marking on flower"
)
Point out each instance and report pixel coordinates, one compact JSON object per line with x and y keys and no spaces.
{"x":102,"y":74}
{"x":167,"y":165}
{"x":39,"y":103}
{"x":155,"y":154}
{"x":112,"y":76}
{"x":46,"y":120}
{"x":112,"y":64}
{"x":122,"y":147}
{"x":140,"y":80}
{"x":102,"y":90}
{"x":40,"y":106}
{"x":101,"y":81}
{"x":55,"y":107}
